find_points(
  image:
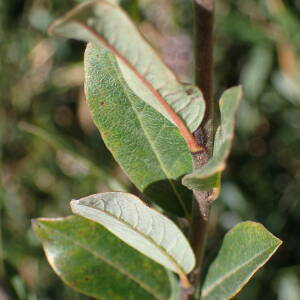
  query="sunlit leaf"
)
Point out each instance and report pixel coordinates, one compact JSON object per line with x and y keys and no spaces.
{"x":141,"y":227}
{"x":107,"y":25}
{"x":148,"y":147}
{"x":91,"y":260}
{"x":245,"y":249}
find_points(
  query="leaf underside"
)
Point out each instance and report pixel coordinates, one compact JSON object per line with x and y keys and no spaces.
{"x":141,"y":227}
{"x":148,"y":147}
{"x":245,"y":249}
{"x":91,"y":260}
{"x":108,"y":26}
{"x":209,"y":176}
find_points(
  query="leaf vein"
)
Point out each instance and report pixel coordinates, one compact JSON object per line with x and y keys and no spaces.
{"x":113,"y":265}
{"x":163,"y":168}
{"x":213,"y":285}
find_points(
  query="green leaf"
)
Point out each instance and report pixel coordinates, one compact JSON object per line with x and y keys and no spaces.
{"x":107,"y":25}
{"x":209,"y":176}
{"x":139,"y":226}
{"x":148,"y":147}
{"x":91,"y":260}
{"x":245,"y":249}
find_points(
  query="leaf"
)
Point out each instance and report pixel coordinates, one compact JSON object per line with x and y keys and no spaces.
{"x":91,"y":260}
{"x":209,"y":176}
{"x":108,"y":26}
{"x":139,"y":226}
{"x":245,"y":249}
{"x":148,"y":147}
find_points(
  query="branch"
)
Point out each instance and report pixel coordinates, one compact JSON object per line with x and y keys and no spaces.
{"x":204,"y":19}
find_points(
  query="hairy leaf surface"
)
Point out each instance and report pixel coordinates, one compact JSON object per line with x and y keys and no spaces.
{"x":93,"y":261}
{"x":209,"y":176}
{"x":141,"y":227}
{"x":107,"y":25}
{"x":148,"y":147}
{"x":245,"y":249}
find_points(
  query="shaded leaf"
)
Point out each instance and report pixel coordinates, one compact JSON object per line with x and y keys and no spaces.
{"x":245,"y":249}
{"x":148,"y":147}
{"x":107,"y":25}
{"x":91,"y":260}
{"x":209,"y":176}
{"x":140,"y":226}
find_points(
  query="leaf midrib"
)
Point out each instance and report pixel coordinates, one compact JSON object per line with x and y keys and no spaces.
{"x":160,"y":248}
{"x":185,"y":131}
{"x":156,"y":153}
{"x":110,"y":263}
{"x":218,"y":282}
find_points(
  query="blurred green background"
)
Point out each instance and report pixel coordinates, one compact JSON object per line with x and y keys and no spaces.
{"x":51,"y":152}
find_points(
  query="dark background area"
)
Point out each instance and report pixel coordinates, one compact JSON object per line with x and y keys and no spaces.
{"x":51,"y":152}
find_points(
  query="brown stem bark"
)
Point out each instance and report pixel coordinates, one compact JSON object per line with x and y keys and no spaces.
{"x":204,"y":24}
{"x":204,"y":20}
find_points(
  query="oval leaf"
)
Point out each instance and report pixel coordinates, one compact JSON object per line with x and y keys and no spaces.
{"x":148,"y":147}
{"x":245,"y":249}
{"x":139,"y":226}
{"x":209,"y":176}
{"x":91,"y":260}
{"x":107,"y":25}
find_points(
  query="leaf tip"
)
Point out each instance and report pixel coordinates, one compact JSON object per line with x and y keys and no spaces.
{"x":36,"y":227}
{"x":74,"y":203}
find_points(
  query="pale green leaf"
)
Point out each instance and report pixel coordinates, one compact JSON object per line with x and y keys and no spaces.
{"x":94,"y":262}
{"x":245,"y":249}
{"x":107,"y":25}
{"x":148,"y":147}
{"x":139,"y":226}
{"x":209,"y":176}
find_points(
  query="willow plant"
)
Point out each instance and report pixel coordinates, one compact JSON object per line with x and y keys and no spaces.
{"x":165,"y":136}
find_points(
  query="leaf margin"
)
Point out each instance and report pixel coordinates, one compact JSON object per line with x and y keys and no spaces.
{"x":277,"y":243}
{"x":209,"y":176}
{"x":137,"y":281}
{"x":169,"y":172}
{"x":175,"y":117}
{"x":84,"y":202}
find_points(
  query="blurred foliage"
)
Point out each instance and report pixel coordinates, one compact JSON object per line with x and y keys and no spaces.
{"x":50,"y":151}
